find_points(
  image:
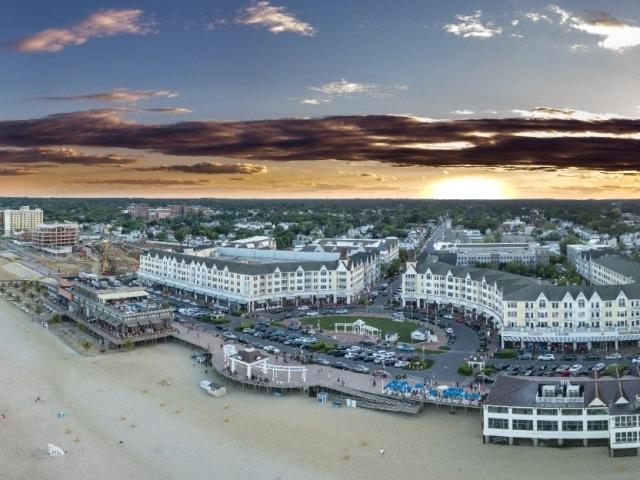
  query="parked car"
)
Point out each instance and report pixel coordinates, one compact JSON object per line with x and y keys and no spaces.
{"x":360,"y":369}
{"x":613,"y":356}
{"x":401,"y":364}
{"x":229,"y":336}
{"x":342,"y":311}
{"x":271,"y":349}
{"x":591,"y":358}
{"x":547,"y":357}
{"x":598,"y":367}
{"x":575,"y":369}
{"x":340,"y":365}
{"x":322,"y":361}
{"x":303,"y":308}
{"x":526,"y":356}
{"x":381,"y":373}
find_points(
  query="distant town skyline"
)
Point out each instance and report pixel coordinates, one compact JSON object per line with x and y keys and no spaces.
{"x":281,"y":99}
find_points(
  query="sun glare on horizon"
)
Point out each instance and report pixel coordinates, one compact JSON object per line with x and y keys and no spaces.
{"x":468,"y":188}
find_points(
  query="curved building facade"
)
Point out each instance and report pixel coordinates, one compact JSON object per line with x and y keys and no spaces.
{"x":526,"y":312}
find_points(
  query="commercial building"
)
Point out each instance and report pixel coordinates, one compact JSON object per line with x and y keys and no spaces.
{"x":21,"y":220}
{"x":138,"y":210}
{"x":255,"y":279}
{"x":55,"y":238}
{"x":469,"y":254}
{"x":528,"y":313}
{"x":604,"y":268}
{"x":117,"y":313}
{"x":260,"y":242}
{"x":583,"y":412}
{"x":387,"y":248}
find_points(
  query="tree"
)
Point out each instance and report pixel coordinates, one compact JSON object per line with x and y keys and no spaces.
{"x":127,"y":344}
{"x":86,"y":345}
{"x":55,"y":318}
{"x":181,"y":233}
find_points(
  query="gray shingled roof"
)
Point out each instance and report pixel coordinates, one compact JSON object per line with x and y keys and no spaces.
{"x":521,"y":391}
{"x":619,"y":264}
{"x":520,"y":288}
{"x":236,"y":265}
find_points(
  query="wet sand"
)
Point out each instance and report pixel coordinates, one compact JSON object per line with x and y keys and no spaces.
{"x":173,"y":430}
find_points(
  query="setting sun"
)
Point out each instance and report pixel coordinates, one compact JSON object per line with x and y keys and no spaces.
{"x":468,"y":188}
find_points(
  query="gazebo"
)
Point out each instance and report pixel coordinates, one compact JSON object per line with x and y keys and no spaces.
{"x":251,"y":359}
{"x":359,"y":327}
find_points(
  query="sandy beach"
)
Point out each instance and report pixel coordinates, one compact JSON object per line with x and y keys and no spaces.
{"x":141,"y":415}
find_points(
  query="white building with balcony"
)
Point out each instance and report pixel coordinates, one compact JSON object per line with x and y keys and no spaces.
{"x":526,"y":312}
{"x":582,"y":412}
{"x":254,"y":279}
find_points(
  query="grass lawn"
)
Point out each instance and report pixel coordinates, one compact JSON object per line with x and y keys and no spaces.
{"x":403,"y":329}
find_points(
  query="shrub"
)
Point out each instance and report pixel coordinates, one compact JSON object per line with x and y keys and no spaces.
{"x":465,"y":369}
{"x":489,"y":369}
{"x":506,"y":353}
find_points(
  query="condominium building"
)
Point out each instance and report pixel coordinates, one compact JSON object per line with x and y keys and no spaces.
{"x":254,"y":279}
{"x":55,"y":238}
{"x":138,"y":210}
{"x":496,"y":253}
{"x":577,"y":317}
{"x":583,"y":412}
{"x":604,"y":268}
{"x":22,"y":220}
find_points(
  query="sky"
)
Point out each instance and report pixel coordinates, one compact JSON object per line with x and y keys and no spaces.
{"x":332,"y":99}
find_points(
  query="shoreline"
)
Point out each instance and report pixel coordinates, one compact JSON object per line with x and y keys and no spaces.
{"x":177,"y":431}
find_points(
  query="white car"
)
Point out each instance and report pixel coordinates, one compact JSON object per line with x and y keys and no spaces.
{"x":312,"y":314}
{"x":635,"y":360}
{"x":449,"y":330}
{"x":271,"y":349}
{"x":613,"y":356}
{"x":598,"y":367}
{"x":547,"y":357}
{"x":401,"y":364}
{"x":303,"y":308}
{"x":342,"y":311}
{"x":574,"y":369}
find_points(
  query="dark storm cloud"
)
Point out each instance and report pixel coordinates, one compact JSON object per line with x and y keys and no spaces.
{"x":527,"y":143}
{"x":15,"y":172}
{"x":61,"y":156}
{"x":208,"y":168}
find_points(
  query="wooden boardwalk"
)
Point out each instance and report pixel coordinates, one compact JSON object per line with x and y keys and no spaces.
{"x":356,"y":386}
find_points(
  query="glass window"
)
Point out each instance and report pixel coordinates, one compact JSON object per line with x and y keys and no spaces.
{"x":597,"y":425}
{"x":624,"y":421}
{"x":572,"y":426}
{"x":626,"y":437}
{"x":492,"y":409}
{"x":547,"y":426}
{"x":522,"y":411}
{"x":547,"y":411}
{"x":522,"y":424}
{"x":571,"y":411}
{"x":597,"y":411}
{"x":502,"y":423}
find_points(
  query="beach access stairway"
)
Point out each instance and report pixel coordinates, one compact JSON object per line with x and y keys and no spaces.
{"x":377,"y":402}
